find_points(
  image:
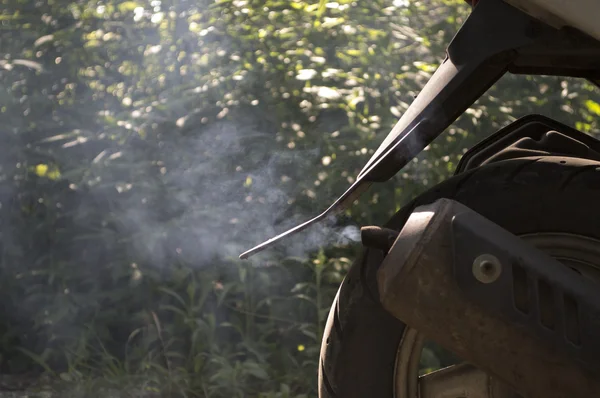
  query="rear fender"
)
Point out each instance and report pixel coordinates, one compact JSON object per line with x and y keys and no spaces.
{"x":532,"y":135}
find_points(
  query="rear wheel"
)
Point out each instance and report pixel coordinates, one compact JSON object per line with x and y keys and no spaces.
{"x":548,"y":201}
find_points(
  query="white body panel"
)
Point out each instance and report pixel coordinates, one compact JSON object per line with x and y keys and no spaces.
{"x":581,"y":14}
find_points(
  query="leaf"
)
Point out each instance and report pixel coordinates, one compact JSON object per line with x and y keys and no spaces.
{"x":255,"y":370}
{"x":306,"y":298}
{"x":321,"y":9}
{"x":42,"y":40}
{"x":53,"y":174}
{"x":300,"y":286}
{"x":310,"y":334}
{"x":172,"y":294}
{"x":243,"y":273}
{"x":332,"y":22}
{"x":41,"y":170}
{"x":29,"y":64}
{"x":133,"y":334}
{"x":128,"y":6}
{"x":593,"y":107}
{"x":223,"y":293}
{"x":36,"y":358}
{"x":306,"y":74}
{"x":395,"y":111}
{"x":285,"y":389}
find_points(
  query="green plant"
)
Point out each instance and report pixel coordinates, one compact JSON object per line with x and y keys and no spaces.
{"x":146,"y":143}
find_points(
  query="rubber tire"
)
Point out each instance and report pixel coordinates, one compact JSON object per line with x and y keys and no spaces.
{"x":526,"y":195}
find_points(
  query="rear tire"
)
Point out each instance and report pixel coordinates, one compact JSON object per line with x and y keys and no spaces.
{"x":524,"y":196}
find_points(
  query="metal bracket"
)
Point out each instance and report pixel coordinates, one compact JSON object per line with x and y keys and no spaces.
{"x":451,"y":275}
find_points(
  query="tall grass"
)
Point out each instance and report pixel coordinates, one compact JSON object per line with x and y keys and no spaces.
{"x":230,"y":329}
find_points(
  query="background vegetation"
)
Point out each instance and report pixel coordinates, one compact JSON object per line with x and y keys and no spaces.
{"x":144,"y":144}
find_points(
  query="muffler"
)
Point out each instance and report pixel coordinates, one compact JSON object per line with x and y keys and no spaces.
{"x":495,"y":301}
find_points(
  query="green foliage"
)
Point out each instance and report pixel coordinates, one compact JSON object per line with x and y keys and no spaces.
{"x":146,"y":143}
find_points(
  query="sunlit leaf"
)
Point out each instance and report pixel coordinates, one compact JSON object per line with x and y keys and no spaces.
{"x":306,"y":74}
{"x":593,"y":107}
{"x":30,"y":64}
{"x":127,"y":6}
{"x":43,"y":39}
{"x":41,"y":170}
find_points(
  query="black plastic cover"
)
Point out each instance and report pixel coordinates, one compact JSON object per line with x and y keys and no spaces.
{"x":532,"y":135}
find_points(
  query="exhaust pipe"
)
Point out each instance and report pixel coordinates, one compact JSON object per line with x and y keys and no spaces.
{"x":484,"y":294}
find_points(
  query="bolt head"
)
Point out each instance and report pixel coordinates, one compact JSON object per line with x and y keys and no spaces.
{"x":487,"y":268}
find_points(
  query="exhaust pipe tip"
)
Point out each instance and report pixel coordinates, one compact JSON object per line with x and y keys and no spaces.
{"x":378,"y":238}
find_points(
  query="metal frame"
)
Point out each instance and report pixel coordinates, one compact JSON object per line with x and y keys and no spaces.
{"x":495,"y":39}
{"x":460,"y":280}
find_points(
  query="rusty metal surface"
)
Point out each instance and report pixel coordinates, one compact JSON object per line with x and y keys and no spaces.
{"x":417,"y":285}
{"x":529,"y":287}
